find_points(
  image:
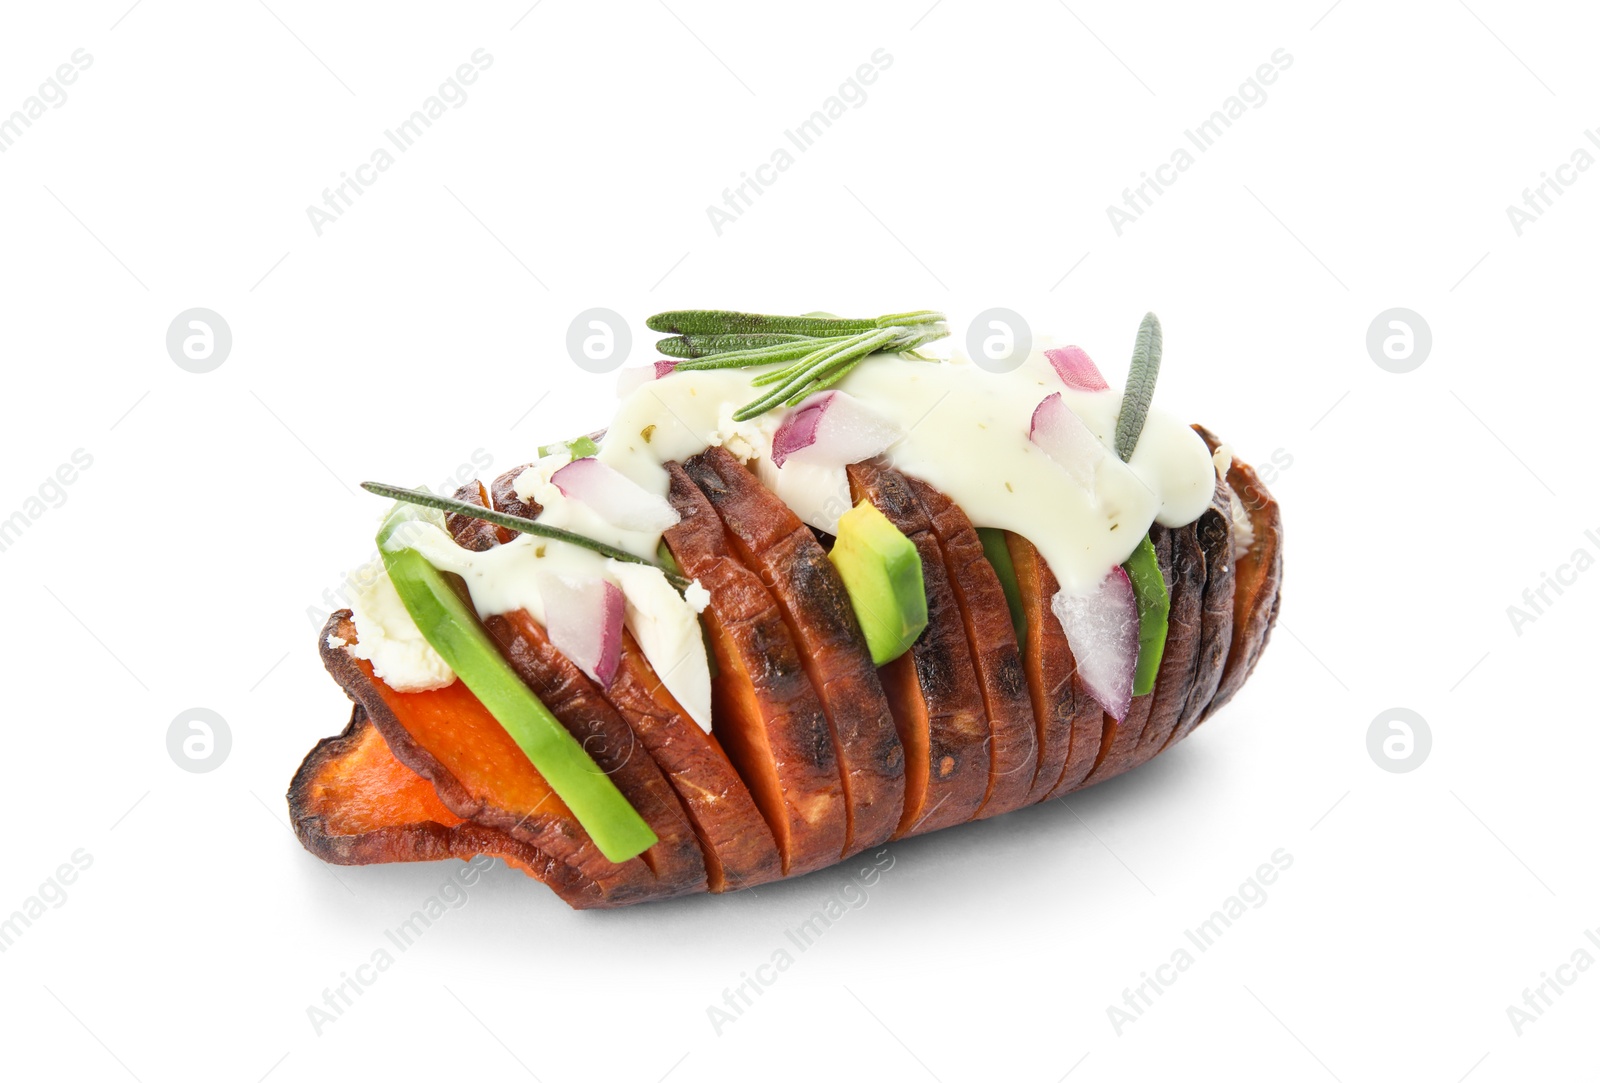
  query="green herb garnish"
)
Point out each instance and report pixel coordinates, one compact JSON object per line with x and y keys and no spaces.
{"x":1141,"y":386}
{"x":450,"y":625}
{"x":816,"y":351}
{"x":718,"y":322}
{"x":517,"y":523}
{"x":692,"y":346}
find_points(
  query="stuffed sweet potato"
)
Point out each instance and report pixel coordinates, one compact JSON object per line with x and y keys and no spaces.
{"x":700,"y":660}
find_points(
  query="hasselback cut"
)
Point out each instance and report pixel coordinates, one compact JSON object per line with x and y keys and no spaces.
{"x":814,"y":753}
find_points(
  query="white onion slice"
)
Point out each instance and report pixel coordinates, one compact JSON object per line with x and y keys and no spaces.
{"x":832,"y":428}
{"x":613,"y":497}
{"x":1063,"y":436}
{"x":1103,"y":631}
{"x":583,"y":618}
{"x":1072,"y":364}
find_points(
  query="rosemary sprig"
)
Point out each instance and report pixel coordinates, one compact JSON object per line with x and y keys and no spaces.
{"x":766,"y":355}
{"x":815,"y":351}
{"x":691,"y":346}
{"x":821,"y":350}
{"x":1141,"y":386}
{"x":717,"y":322}
{"x":518,"y":523}
{"x":826,"y":362}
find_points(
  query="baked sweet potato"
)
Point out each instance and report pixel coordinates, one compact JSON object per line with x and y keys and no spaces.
{"x":1183,"y":569}
{"x":765,"y":713}
{"x":503,"y":493}
{"x":933,"y":688}
{"x":1013,"y":734}
{"x":736,"y":844}
{"x":449,"y":738}
{"x":432,"y":775}
{"x":470,"y":533}
{"x":1258,"y":577}
{"x":1149,"y":722}
{"x":1071,"y":717}
{"x":353,"y":803}
{"x":783,"y":551}
{"x":575,"y":700}
{"x":1214,"y":532}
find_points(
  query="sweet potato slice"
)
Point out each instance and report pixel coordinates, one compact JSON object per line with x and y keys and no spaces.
{"x":1214,"y":532}
{"x":992,"y":638}
{"x":1119,"y":740}
{"x":1258,"y":576}
{"x":736,"y":844}
{"x":933,"y":688}
{"x":470,"y":533}
{"x":1071,"y":718}
{"x":574,"y":699}
{"x":765,"y":713}
{"x":735,"y":840}
{"x":448,"y":737}
{"x":776,"y":545}
{"x":353,"y":803}
{"x":503,"y":493}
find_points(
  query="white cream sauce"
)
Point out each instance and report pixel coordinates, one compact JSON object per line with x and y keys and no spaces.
{"x":966,"y":434}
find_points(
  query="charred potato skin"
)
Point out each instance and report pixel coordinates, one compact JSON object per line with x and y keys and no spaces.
{"x":1223,"y":611}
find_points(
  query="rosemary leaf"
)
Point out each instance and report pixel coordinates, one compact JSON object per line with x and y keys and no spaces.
{"x":768,"y":355}
{"x":1141,"y":388}
{"x":717,"y":322}
{"x":692,"y":346}
{"x":515,"y":522}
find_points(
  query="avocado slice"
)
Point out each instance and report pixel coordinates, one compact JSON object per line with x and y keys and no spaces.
{"x":999,"y":554}
{"x":1150,"y":593}
{"x":451,"y":627}
{"x":883,"y":574}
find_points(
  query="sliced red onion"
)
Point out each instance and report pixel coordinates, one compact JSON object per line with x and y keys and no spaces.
{"x":583,"y":618}
{"x":1063,"y":436}
{"x":1076,"y":370}
{"x":664,"y":368}
{"x":1103,"y":631}
{"x":614,"y":497}
{"x":832,"y":428}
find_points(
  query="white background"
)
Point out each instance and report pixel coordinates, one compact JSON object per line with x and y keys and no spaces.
{"x":429,"y":322}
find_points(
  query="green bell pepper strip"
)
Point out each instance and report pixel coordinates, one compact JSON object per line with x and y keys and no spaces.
{"x":999,"y":554}
{"x":452,"y":628}
{"x":1150,"y":593}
